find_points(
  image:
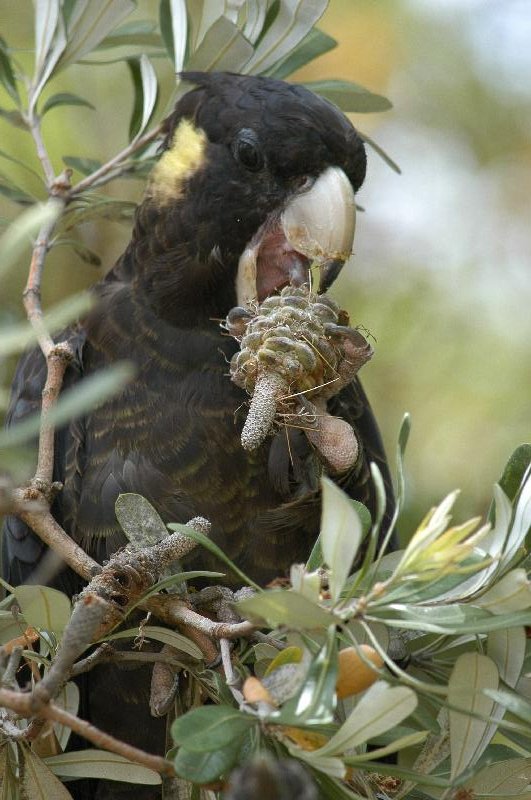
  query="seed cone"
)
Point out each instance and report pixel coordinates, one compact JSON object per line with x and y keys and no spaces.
{"x":294,"y":346}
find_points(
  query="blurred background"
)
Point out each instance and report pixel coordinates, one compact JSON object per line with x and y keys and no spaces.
{"x":442,"y":270}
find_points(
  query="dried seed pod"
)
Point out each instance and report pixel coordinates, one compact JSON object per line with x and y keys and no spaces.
{"x":294,"y":343}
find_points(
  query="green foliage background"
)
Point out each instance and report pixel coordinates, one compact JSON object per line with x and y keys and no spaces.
{"x":442,"y":253}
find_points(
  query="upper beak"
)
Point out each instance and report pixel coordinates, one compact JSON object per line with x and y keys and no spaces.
{"x":320,"y":224}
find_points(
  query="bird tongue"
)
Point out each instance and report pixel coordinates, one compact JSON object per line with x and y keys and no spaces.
{"x":278,"y":265}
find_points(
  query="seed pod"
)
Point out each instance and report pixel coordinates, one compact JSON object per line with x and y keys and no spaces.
{"x":292,"y":344}
{"x":354,"y":674}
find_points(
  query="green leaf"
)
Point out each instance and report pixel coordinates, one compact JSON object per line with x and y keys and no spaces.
{"x":507,"y":648}
{"x":280,"y":607}
{"x":19,"y":235}
{"x":514,"y":471}
{"x":380,"y":708}
{"x":7,"y":76}
{"x":19,"y":163}
{"x":223,"y":48}
{"x":174,"y":29}
{"x":17,"y":195}
{"x":164,"y":635}
{"x":179,"y":577}
{"x":9,"y":627}
{"x":145,"y":93}
{"x":88,"y":26}
{"x":341,"y":532}
{"x":450,"y":619}
{"x":294,"y":20}
{"x":68,"y":698}
{"x":403,"y":437}
{"x":314,"y":44}
{"x":402,"y":742}
{"x":50,"y":43}
{"x":349,"y":96}
{"x":102,"y":765}
{"x":43,"y":607}
{"x":505,"y":778}
{"x":255,"y":16}
{"x":208,"y":544}
{"x":521,"y":522}
{"x":380,"y":151}
{"x":315,"y":559}
{"x":206,"y":767}
{"x":511,"y":593}
{"x":471,"y":674}
{"x":98,"y":208}
{"x":210,"y":727}
{"x":15,"y":338}
{"x":64,"y":99}
{"x":38,"y":781}
{"x":14,"y":118}
{"x":83,"y":165}
{"x":512,"y":702}
{"x":84,"y":396}
{"x":316,"y":701}
{"x":47,"y":17}
{"x":139,"y":521}
{"x":142,"y":33}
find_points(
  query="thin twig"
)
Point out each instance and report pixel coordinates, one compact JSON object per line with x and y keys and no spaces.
{"x":107,"y":654}
{"x":51,"y":533}
{"x":34,"y":124}
{"x":23,"y":706}
{"x":95,"y":178}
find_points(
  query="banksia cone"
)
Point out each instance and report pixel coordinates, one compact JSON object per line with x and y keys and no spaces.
{"x":294,"y":346}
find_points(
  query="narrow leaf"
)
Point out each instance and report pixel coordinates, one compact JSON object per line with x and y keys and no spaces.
{"x":508,"y":778}
{"x":90,"y":25}
{"x":83,"y":165}
{"x":210,"y":727}
{"x":349,"y":96}
{"x":7,"y":76}
{"x":381,"y":152}
{"x":341,"y":532}
{"x":20,"y":233}
{"x":295,"y":18}
{"x":84,"y":396}
{"x":314,"y":44}
{"x":43,"y":607}
{"x":46,"y":20}
{"x":208,"y":544}
{"x":174,"y":29}
{"x":280,"y":607}
{"x":381,"y":708}
{"x":102,"y":765}
{"x":142,"y":33}
{"x":64,"y":99}
{"x":139,"y":521}
{"x":472,"y":674}
{"x":68,"y":698}
{"x":38,"y":781}
{"x":164,"y":635}
{"x":316,"y":701}
{"x":15,"y":338}
{"x":223,"y":48}
{"x":207,"y":767}
{"x":510,"y":593}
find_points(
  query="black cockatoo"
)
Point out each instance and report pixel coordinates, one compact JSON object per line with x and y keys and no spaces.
{"x":238,"y":151}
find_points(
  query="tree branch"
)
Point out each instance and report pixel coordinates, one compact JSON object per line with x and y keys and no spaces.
{"x":22,"y":705}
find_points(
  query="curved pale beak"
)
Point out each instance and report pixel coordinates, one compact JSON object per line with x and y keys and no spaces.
{"x":316,"y":229}
{"x":320,"y":224}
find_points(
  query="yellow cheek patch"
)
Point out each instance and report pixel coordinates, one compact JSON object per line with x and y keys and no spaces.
{"x":184,"y":157}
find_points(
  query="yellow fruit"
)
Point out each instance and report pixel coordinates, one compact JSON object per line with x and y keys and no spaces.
{"x":254,"y":691}
{"x":354,"y":674}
